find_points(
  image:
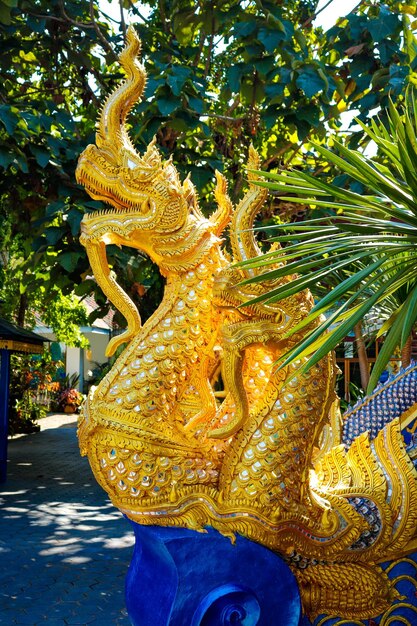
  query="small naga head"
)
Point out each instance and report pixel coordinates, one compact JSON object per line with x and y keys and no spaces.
{"x":240,"y":284}
{"x":114,"y":172}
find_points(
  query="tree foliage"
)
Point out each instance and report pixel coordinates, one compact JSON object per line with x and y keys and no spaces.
{"x":221,"y":75}
{"x":29,"y":298}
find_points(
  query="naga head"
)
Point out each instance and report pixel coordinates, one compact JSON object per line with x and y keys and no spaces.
{"x":114,"y":172}
{"x":231,"y":289}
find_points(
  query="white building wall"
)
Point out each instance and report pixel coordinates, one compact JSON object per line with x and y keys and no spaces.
{"x":72,"y":361}
{"x":96,"y":353}
{"x":78,"y":361}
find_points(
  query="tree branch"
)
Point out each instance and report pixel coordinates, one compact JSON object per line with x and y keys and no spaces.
{"x":66,"y":19}
{"x":225,"y":118}
{"x":53,"y":18}
{"x":316,"y":13}
{"x":210,"y":49}
{"x":71,"y":21}
{"x":163,"y":17}
{"x":136,"y":11}
{"x":100,"y":35}
{"x":122,"y":19}
{"x":200,"y":48}
{"x":276,"y":156}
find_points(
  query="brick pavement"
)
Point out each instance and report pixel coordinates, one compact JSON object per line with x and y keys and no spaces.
{"x":64,"y":549}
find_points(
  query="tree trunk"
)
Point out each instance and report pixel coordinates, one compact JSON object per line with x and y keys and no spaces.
{"x":21,"y":314}
{"x":406,"y":352}
{"x":362,"y":356}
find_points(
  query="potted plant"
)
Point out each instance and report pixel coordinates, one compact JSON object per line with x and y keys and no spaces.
{"x":69,"y":400}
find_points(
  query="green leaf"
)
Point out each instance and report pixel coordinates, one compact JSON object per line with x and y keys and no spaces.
{"x":65,"y":120}
{"x":300,"y":39}
{"x":244,"y":28}
{"x":335,"y":336}
{"x":384,"y":25}
{"x":22,"y":162}
{"x":410,"y":317}
{"x":53,"y":235}
{"x":6,"y":157}
{"x":74,"y":217}
{"x":177,"y":78}
{"x":85,"y":288}
{"x":8,"y":118}
{"x":310,"y":81}
{"x":69,"y":260}
{"x":41,"y":155}
{"x":308,"y":346}
{"x":270,"y":38}
{"x":390,"y":343}
{"x":37,"y":25}
{"x":185,"y":24}
{"x":167,"y":105}
{"x":55,"y":207}
{"x":398,"y":77}
{"x":33,"y":121}
{"x":197,"y":104}
{"x":345,"y":286}
{"x":310,"y":114}
{"x":5,"y":17}
{"x":234,"y":75}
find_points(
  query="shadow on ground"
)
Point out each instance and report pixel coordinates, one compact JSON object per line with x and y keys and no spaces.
{"x":64,"y":549}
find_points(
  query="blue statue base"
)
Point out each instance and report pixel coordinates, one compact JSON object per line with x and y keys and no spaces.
{"x":185,"y":578}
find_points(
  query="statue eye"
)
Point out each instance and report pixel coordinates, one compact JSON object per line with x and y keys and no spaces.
{"x":148,"y":205}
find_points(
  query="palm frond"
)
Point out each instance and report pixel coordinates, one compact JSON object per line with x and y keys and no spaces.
{"x":363,"y":254}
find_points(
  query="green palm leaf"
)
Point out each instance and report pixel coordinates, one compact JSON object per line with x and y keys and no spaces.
{"x":366,"y":249}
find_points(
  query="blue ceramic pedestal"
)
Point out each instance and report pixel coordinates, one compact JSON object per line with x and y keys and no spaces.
{"x":185,"y":578}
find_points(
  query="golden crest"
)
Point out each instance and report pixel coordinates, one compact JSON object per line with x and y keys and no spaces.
{"x":264,"y":459}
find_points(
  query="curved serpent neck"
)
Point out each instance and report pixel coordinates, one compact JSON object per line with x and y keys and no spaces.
{"x":168,"y":363}
{"x":169,"y":448}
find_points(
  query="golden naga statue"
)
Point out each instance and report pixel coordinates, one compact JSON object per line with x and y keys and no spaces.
{"x":263,"y":459}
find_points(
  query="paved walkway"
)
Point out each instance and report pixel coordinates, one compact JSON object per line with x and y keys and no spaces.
{"x":64,"y":549}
